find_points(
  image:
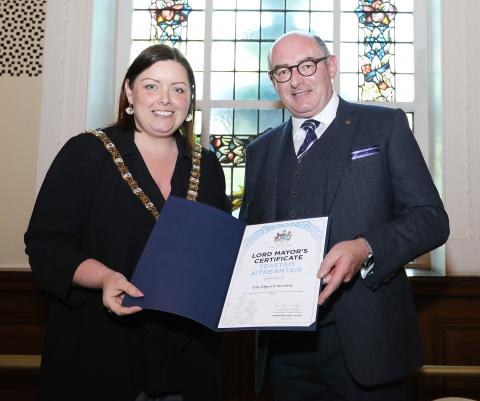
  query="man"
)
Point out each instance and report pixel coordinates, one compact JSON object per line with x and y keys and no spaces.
{"x":363,"y":169}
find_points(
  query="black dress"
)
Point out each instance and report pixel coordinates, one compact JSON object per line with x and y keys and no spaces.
{"x":85,"y":210}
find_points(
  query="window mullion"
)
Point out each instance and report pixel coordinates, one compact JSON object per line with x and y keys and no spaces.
{"x":206,"y":104}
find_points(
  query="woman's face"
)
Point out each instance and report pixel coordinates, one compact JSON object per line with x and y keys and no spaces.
{"x":161,"y":98}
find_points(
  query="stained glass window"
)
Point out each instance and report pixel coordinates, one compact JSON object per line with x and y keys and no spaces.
{"x":227,"y":43}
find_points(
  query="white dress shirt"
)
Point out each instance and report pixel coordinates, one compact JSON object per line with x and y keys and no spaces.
{"x":325,"y":117}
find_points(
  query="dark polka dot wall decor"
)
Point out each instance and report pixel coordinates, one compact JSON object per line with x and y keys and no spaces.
{"x":22,"y":30}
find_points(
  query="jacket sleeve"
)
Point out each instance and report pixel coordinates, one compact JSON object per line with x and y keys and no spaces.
{"x":419,"y":222}
{"x":55,"y":236}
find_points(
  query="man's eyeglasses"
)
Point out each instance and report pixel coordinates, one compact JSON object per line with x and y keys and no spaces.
{"x":305,"y":68}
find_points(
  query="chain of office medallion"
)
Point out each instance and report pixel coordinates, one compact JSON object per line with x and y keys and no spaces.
{"x":193,"y":184}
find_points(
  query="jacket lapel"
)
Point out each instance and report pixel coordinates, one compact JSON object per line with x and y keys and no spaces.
{"x":340,"y":154}
{"x":272,"y":164}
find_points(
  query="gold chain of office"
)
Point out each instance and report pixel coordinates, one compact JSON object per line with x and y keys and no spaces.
{"x":193,"y":182}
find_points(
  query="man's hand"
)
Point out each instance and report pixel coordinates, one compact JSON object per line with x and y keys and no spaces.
{"x":340,"y":265}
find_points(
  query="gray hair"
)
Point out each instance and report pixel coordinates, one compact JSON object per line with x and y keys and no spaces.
{"x":318,"y":39}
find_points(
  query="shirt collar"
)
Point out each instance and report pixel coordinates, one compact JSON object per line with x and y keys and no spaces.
{"x":326,"y":116}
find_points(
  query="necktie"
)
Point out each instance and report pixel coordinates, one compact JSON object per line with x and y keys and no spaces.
{"x":309,"y":126}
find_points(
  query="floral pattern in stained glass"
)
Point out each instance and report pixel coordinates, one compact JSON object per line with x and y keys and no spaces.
{"x":169,"y":18}
{"x":376,"y":25}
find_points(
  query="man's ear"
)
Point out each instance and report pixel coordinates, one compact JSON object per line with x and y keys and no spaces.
{"x":332,"y":66}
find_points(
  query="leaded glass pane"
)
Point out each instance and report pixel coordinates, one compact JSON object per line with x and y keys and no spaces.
{"x":238,"y":180}
{"x":269,"y":119}
{"x":404,"y":29}
{"x":266,"y":88}
{"x":197,"y":128}
{"x":248,"y":4}
{"x":247,"y":56}
{"x":194,"y":52}
{"x":221,"y":122}
{"x":246,"y":85}
{"x":199,"y":84}
{"x":349,"y":28}
{"x":141,"y":24}
{"x":222,"y":85}
{"x":248,"y":25}
{"x":224,"y":4}
{"x":410,"y":120}
{"x":273,"y":24}
{"x":322,"y":25}
{"x":321,"y":5}
{"x":350,"y":5}
{"x":265,"y":49}
{"x":273,"y":4}
{"x":223,"y":56}
{"x":376,"y":22}
{"x":196,"y":26}
{"x":404,"y":57}
{"x":349,"y":86}
{"x":405,"y":87}
{"x":228,"y":176}
{"x":297,"y":21}
{"x":246,"y":122}
{"x":349,"y":57}
{"x":229,"y":149}
{"x":404,"y":5}
{"x":298,"y":4}
{"x":223,"y":25}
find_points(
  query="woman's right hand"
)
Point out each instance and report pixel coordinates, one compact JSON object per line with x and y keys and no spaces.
{"x":115,"y":286}
{"x":93,"y":274}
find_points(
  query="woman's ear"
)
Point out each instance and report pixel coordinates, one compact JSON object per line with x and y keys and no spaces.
{"x":128,"y":91}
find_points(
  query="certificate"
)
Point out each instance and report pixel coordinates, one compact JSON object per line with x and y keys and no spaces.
{"x":274,"y":281}
{"x":206,"y":265}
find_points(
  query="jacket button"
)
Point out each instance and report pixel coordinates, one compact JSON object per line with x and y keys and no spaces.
{"x":292,"y":213}
{"x":294,"y":194}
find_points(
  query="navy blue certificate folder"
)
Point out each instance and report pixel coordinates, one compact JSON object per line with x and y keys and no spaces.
{"x":187,"y":263}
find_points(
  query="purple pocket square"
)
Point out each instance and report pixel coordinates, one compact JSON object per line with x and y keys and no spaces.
{"x":365,"y":152}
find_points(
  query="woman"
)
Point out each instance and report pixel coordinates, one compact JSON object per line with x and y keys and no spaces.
{"x":93,"y":215}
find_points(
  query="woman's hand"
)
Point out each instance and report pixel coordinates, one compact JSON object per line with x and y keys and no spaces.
{"x":93,"y":274}
{"x":115,"y":286}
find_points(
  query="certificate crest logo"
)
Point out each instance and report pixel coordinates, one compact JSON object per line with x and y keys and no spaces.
{"x":283,"y":236}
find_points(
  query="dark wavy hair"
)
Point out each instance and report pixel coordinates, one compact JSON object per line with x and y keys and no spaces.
{"x":144,"y":60}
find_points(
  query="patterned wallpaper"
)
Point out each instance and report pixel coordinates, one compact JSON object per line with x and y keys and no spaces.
{"x":22,"y":34}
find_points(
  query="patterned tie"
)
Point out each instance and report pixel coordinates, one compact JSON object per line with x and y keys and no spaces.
{"x":309,"y":126}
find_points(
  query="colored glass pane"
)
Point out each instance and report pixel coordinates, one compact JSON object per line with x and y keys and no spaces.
{"x":267,"y":91}
{"x":169,"y":19}
{"x":273,"y":24}
{"x":298,"y":5}
{"x":221,"y":122}
{"x":297,"y":21}
{"x":247,"y":56}
{"x":375,"y":20}
{"x":222,"y":85}
{"x":248,"y":25}
{"x":273,"y":4}
{"x":246,"y":122}
{"x":246,"y":85}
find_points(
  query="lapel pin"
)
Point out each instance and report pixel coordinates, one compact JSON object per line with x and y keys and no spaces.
{"x":348,"y":122}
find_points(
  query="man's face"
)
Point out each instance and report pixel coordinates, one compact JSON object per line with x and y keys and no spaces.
{"x":303,"y":96}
